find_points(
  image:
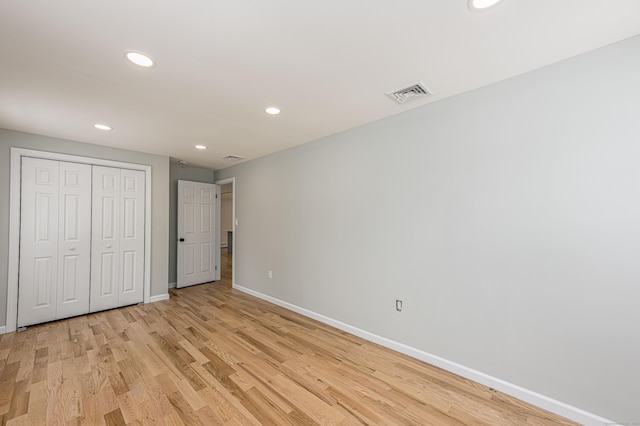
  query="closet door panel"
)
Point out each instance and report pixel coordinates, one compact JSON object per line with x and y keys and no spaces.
{"x":105,"y":244}
{"x":38,"y":241}
{"x":74,"y":267}
{"x":132,"y":195}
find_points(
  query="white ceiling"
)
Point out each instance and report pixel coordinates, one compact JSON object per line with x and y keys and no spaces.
{"x":326,"y":64}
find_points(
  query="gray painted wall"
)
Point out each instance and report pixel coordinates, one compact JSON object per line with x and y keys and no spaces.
{"x":507,"y":219}
{"x":159,"y":198}
{"x":178,"y":172}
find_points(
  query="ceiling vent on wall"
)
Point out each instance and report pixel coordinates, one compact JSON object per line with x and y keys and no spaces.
{"x":231,"y":157}
{"x":409,"y":93}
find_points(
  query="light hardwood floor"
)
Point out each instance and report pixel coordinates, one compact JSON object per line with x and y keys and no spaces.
{"x":212,"y":355}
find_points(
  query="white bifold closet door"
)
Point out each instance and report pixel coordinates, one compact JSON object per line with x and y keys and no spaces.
{"x":55,"y":232}
{"x":117,"y":248}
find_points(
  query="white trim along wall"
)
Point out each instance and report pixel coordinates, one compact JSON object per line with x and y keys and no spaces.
{"x":539,"y":400}
{"x":14,"y":223}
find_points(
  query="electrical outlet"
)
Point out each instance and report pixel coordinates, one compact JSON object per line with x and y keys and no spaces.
{"x":398,"y":305}
{"x":269,"y":274}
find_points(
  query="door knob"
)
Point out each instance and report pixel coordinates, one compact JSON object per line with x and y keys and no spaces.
{"x":182,"y":240}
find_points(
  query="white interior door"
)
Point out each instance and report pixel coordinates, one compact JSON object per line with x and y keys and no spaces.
{"x":117,"y":247}
{"x":55,"y":240}
{"x":198,"y":233}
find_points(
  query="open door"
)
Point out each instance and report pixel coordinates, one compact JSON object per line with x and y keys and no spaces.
{"x":198,"y":233}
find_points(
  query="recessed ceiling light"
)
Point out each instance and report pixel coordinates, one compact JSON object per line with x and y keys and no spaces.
{"x":102,"y":126}
{"x":201,"y":147}
{"x":272,"y":110}
{"x":482,"y":5}
{"x":140,"y":59}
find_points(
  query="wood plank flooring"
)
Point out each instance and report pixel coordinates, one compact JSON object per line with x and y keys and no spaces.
{"x":211,"y":355}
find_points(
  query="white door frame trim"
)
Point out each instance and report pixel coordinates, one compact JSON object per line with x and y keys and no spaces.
{"x":14,"y":220}
{"x":231,"y":180}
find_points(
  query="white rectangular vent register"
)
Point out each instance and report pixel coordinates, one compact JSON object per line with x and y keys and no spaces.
{"x":412,"y":92}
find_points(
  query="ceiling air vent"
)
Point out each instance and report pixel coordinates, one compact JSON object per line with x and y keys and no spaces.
{"x":231,"y":157}
{"x":409,"y":93}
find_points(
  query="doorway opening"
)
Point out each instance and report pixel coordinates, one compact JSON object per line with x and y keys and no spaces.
{"x":227,"y":231}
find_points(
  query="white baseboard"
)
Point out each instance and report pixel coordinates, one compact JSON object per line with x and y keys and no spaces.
{"x":3,"y":329}
{"x":159,"y":298}
{"x":173,"y":285}
{"x":544,"y":402}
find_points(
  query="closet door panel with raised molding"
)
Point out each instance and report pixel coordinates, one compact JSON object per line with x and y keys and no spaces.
{"x":55,"y":232}
{"x":117,"y":265}
{"x":38,"y":241}
{"x":74,"y":247}
{"x":105,"y":240}
{"x":132,"y":237}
